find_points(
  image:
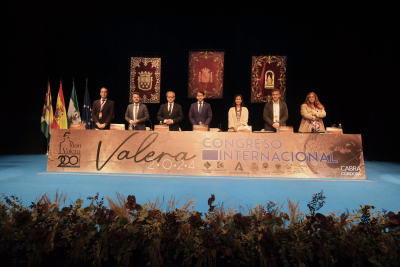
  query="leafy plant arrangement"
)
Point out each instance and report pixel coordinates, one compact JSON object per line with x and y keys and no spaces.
{"x":126,"y":233}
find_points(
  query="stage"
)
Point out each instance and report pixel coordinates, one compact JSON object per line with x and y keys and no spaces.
{"x":25,"y":176}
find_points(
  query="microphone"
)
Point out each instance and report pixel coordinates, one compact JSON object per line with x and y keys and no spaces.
{"x":151,"y":124}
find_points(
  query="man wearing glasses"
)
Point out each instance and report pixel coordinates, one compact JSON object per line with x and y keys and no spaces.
{"x":170,"y":113}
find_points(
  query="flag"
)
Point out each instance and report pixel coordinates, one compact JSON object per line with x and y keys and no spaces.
{"x":60,"y":115}
{"x":73,"y":110}
{"x":47,"y":115}
{"x":87,"y":110}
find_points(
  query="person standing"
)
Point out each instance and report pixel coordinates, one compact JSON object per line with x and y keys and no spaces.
{"x":312,"y":112}
{"x":238,"y":114}
{"x":200,"y":111}
{"x":170,"y":113}
{"x":275,"y":112}
{"x":137,"y":114}
{"x":103,"y":111}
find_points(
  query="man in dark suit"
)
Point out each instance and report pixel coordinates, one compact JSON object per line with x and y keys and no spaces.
{"x":103,"y":111}
{"x":200,"y":111}
{"x":275,"y":112}
{"x":170,"y":113}
{"x":137,"y":114}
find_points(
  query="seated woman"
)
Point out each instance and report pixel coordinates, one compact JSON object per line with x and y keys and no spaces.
{"x":312,"y":112}
{"x":238,"y":115}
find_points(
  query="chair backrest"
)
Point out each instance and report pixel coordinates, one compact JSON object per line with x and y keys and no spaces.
{"x":77,"y":126}
{"x":161,"y":128}
{"x":119,"y":127}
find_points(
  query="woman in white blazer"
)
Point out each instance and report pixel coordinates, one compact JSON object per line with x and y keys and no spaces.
{"x":238,"y":114}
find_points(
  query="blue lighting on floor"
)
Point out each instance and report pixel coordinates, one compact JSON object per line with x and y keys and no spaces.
{"x":25,"y":176}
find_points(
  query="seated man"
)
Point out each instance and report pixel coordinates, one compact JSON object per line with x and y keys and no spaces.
{"x":200,"y":111}
{"x":170,"y":113}
{"x":275,"y":112}
{"x":103,"y":111}
{"x":137,"y":114}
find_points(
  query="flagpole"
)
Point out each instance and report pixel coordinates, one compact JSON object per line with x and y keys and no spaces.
{"x":47,"y":143}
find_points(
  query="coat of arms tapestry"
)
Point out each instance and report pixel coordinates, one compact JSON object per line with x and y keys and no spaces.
{"x":206,"y":73}
{"x":267,"y":73}
{"x":146,"y":78}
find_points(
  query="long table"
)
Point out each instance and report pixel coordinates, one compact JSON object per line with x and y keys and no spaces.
{"x":297,"y":155}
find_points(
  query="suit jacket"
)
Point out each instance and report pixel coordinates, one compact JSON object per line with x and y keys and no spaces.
{"x":143,"y":116}
{"x":107,"y":113}
{"x":269,"y":115}
{"x":307,"y":117}
{"x":205,"y":117}
{"x":176,"y":115}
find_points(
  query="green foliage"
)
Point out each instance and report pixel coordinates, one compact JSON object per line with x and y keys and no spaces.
{"x":129,"y":234}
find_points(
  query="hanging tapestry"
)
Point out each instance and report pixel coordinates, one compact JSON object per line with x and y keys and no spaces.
{"x":146,"y":78}
{"x":206,"y":73}
{"x":267,"y":73}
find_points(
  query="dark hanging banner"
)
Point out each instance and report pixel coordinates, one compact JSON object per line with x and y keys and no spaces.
{"x":267,"y":73}
{"x":206,"y":73}
{"x":146,"y":78}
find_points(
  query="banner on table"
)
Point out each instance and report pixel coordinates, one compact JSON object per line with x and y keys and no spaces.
{"x":206,"y":73}
{"x":208,"y":154}
{"x":267,"y":73}
{"x":146,"y":78}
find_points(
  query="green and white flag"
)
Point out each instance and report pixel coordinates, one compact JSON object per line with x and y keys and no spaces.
{"x":74,"y":116}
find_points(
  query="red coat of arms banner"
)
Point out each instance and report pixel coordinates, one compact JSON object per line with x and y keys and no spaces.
{"x":267,"y":73}
{"x":146,"y":78}
{"x":206,"y":73}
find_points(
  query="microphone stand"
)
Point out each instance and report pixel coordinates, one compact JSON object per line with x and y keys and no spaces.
{"x":151,"y":124}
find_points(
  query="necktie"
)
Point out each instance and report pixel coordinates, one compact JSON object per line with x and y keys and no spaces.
{"x":170,"y":110}
{"x":201,"y":107}
{"x":102,"y":105}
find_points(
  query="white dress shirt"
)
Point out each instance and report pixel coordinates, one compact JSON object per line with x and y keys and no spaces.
{"x":134,"y":113}
{"x":101,"y":107}
{"x":276,"y":111}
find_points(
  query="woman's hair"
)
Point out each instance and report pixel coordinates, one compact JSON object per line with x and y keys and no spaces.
{"x":234,"y":102}
{"x":317,"y":104}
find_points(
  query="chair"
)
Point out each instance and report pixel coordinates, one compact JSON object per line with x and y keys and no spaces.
{"x":114,"y":126}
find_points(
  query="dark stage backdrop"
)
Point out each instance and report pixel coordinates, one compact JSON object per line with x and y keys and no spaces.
{"x":343,"y":54}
